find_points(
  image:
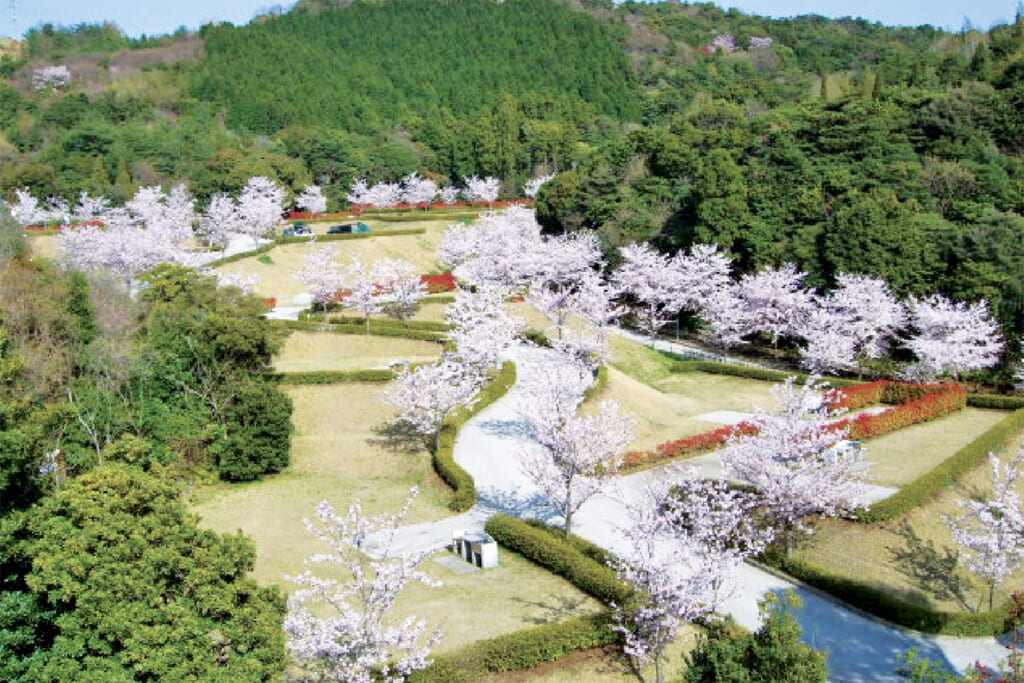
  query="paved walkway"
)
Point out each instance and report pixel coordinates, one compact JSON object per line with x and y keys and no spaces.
{"x":862,"y":649}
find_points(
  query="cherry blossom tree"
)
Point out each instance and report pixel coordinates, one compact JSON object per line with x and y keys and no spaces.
{"x":26,"y":210}
{"x":646,"y":277}
{"x":580,"y":453}
{"x":340,"y":629}
{"x":481,"y":189}
{"x":482,"y":327}
{"x":699,"y":274}
{"x":51,"y":76}
{"x":791,"y":461}
{"x":359,"y":192}
{"x":426,"y":394}
{"x":384,"y":195}
{"x":533,"y":186}
{"x":399,"y":288}
{"x":952,"y":338}
{"x":90,"y":208}
{"x":418,"y":190}
{"x":727,"y":318}
{"x":220,"y":220}
{"x":563,"y":261}
{"x":242,"y":279}
{"x":312,"y":199}
{"x":321,"y":274}
{"x":687,"y":538}
{"x":260,"y":207}
{"x":992,"y":531}
{"x":857,"y":321}
{"x":776,"y":301}
{"x":493,"y":249}
{"x":449,"y":194}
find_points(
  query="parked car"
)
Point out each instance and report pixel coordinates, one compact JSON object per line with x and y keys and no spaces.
{"x":347,"y":228}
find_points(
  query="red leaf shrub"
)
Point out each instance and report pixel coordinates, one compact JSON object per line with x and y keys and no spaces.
{"x":705,"y":441}
{"x":937,"y":403}
{"x":437,"y":284}
{"x":859,"y":396}
{"x":270,"y":302}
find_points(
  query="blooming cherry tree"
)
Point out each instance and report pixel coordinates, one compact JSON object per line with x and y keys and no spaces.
{"x":399,"y":287}
{"x":426,"y":394}
{"x":952,"y":337}
{"x":312,"y":199}
{"x":260,"y":207}
{"x":51,"y":76}
{"x":90,"y":208}
{"x":494,"y":249}
{"x":646,"y":277}
{"x":219,"y":221}
{"x":384,"y":195}
{"x":418,"y":190}
{"x":481,"y":326}
{"x":359,"y":192}
{"x":321,"y":274}
{"x":338,"y":629}
{"x":789,"y":458}
{"x":776,"y":301}
{"x":449,"y":194}
{"x":532,"y":186}
{"x":482,"y":189}
{"x":992,"y":531}
{"x":242,"y":279}
{"x":26,"y":210}
{"x":698,"y":275}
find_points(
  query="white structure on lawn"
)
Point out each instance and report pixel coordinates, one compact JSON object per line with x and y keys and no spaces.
{"x":479,"y":549}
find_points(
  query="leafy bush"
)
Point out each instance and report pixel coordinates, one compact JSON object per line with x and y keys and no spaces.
{"x":258,"y":432}
{"x":378,"y":324}
{"x":947,"y":473}
{"x":331,"y":376}
{"x":714,"y":368}
{"x":439,"y":282}
{"x":374,"y":330}
{"x":996,"y":402}
{"x":240,"y":255}
{"x":443,"y":457}
{"x":688,"y":445}
{"x":557,"y":555}
{"x":860,"y":396}
{"x":935,"y":401}
{"x":519,"y":650}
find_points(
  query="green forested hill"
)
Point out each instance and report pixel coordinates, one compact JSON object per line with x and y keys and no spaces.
{"x":374,"y":64}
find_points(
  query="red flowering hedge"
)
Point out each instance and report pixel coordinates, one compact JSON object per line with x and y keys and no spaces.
{"x":925,"y":402}
{"x":438,"y":284}
{"x":859,"y":396}
{"x":270,"y":302}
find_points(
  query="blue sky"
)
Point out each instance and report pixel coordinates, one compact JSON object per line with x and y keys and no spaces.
{"x":164,"y":16}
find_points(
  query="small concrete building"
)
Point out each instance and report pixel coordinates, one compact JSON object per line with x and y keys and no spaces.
{"x":479,"y":549}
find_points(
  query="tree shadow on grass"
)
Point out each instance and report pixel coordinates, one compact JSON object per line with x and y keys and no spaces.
{"x":936,"y":571}
{"x":553,"y":608}
{"x":398,"y":436}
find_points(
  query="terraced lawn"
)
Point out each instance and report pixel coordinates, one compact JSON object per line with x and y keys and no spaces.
{"x":305,"y":351}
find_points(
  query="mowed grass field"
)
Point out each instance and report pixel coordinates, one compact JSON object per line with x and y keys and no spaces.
{"x":305,"y":351}
{"x":862,"y":551}
{"x":332,"y":460}
{"x":276,"y":277}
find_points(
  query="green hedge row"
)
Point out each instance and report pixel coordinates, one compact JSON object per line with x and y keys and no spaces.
{"x":945,"y":473}
{"x":883,"y":604}
{"x":995,"y":401}
{"x":375,"y":330}
{"x":241,"y":255}
{"x":305,"y":239}
{"x":438,"y":299}
{"x":399,"y":324}
{"x":443,"y":457}
{"x":715,"y":368}
{"x":424,"y":216}
{"x":519,"y":650}
{"x":557,"y":555}
{"x":331,"y":376}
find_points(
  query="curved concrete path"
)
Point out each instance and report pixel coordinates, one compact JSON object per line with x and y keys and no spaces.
{"x":862,"y":648}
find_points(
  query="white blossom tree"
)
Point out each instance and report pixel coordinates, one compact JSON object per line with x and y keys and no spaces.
{"x":481,"y":189}
{"x":952,"y":337}
{"x":219,"y":221}
{"x":482,"y":327}
{"x":242,"y":279}
{"x":791,"y":461}
{"x":340,"y":629}
{"x":312,"y":199}
{"x":51,"y":76}
{"x":26,"y":210}
{"x":359,"y":192}
{"x":831,"y":346}
{"x":426,"y":394}
{"x":321,"y":274}
{"x":533,"y":185}
{"x":776,"y":301}
{"x":399,"y":287}
{"x":687,"y":538}
{"x":646,"y":277}
{"x":260,"y":206}
{"x":699,"y":274}
{"x":384,"y":195}
{"x":90,"y":208}
{"x":727,"y":318}
{"x":418,"y":190}
{"x":494,"y":249}
{"x":449,"y":194}
{"x":991,"y":531}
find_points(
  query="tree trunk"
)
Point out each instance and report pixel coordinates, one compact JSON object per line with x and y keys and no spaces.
{"x":659,"y":669}
{"x":568,"y":510}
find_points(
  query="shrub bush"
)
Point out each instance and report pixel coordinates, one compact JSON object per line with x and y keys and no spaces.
{"x":443,"y":457}
{"x":883,"y":604}
{"x":439,"y":282}
{"x":947,"y":473}
{"x":331,"y":376}
{"x":519,"y":650}
{"x":377,"y":324}
{"x":860,"y":396}
{"x":303,"y":239}
{"x":764,"y":374}
{"x":996,"y":402}
{"x":375,"y":330}
{"x":689,"y":445}
{"x":566,"y":559}
{"x":934,"y":401}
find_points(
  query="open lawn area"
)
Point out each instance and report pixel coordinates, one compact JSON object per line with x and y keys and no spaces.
{"x":862,"y":551}
{"x":45,"y":246}
{"x":304,"y":351}
{"x":902,"y":456}
{"x":332,"y":460}
{"x":285,"y":259}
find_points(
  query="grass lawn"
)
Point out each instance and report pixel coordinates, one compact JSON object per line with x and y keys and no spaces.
{"x":516,"y":594}
{"x":45,"y":245}
{"x":861,"y":551}
{"x":276,"y":278}
{"x":330,"y":460}
{"x":638,"y":361}
{"x":902,"y":456}
{"x":304,"y":351}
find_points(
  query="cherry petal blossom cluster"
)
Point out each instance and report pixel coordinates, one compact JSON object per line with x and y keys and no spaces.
{"x":340,"y":629}
{"x":776,"y":302}
{"x":312,"y":199}
{"x":51,"y":76}
{"x":952,"y":337}
{"x":791,"y":459}
{"x":992,"y":531}
{"x":495,"y":248}
{"x":565,"y":260}
{"x":449,"y":194}
{"x":260,"y":206}
{"x":645,"y":276}
{"x":321,"y":274}
{"x":481,"y":189}
{"x":482,"y":328}
{"x":724,"y":42}
{"x":26,"y":209}
{"x":398,"y":287}
{"x":381,"y":195}
{"x":426,"y":394}
{"x":90,"y":208}
{"x":533,"y":185}
{"x":242,"y":279}
{"x":220,"y":220}
{"x":757,"y":42}
{"x":580,"y":453}
{"x":418,"y":190}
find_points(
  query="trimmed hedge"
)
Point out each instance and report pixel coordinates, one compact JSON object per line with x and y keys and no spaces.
{"x":946,"y":473}
{"x":764,"y":374}
{"x":398,"y":324}
{"x":443,"y":457}
{"x":331,"y":376}
{"x":566,"y":559}
{"x":240,"y":255}
{"x":424,"y":216}
{"x":438,"y":299}
{"x":882,"y":604}
{"x":375,"y":330}
{"x":924,"y":402}
{"x":995,"y":401}
{"x":519,"y":650}
{"x":305,"y":239}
